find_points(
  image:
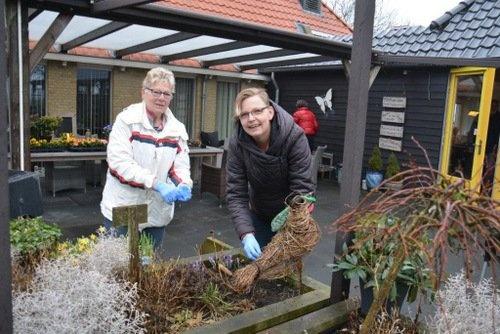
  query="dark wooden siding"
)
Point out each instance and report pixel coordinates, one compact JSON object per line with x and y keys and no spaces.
{"x":424,"y":88}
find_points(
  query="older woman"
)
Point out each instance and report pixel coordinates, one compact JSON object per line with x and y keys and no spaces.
{"x":148,"y":157}
{"x":268,"y":159}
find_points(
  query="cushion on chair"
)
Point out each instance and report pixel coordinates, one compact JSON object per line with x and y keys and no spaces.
{"x":210,"y":139}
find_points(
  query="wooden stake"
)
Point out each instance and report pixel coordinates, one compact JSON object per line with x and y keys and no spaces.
{"x":132,"y":216}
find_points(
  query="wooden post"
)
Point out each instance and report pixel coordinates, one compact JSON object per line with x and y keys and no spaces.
{"x":132,"y":216}
{"x":5,"y":266}
{"x":354,"y":139}
{"x":18,"y":95}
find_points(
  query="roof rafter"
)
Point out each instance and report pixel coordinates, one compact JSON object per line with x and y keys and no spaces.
{"x":308,"y":60}
{"x":156,"y":43}
{"x":32,"y":13}
{"x":254,"y":56}
{"x":207,"y":50}
{"x":105,"y":5}
{"x":48,"y":39}
{"x":156,"y":15}
{"x":93,"y":35}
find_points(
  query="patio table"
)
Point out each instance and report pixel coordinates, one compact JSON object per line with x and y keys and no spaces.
{"x":55,"y":182}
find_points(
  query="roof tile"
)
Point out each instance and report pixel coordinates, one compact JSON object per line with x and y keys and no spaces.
{"x":470,"y":29}
{"x":278,"y":14}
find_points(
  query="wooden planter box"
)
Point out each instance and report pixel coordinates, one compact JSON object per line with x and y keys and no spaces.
{"x":290,"y":316}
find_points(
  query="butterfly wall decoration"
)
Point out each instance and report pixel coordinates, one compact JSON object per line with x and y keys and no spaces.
{"x":325,"y":102}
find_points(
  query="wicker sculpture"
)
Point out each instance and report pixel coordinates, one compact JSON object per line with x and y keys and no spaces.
{"x":284,"y":253}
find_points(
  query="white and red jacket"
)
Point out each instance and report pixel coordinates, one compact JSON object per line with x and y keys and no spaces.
{"x":137,"y":154}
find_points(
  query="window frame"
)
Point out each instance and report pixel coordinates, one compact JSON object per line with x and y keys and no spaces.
{"x":306,"y":6}
{"x":95,"y":67}
{"x":230,"y":111}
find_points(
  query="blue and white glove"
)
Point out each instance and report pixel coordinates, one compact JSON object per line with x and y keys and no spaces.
{"x":167,"y":191}
{"x":251,"y":246}
{"x":183,"y":192}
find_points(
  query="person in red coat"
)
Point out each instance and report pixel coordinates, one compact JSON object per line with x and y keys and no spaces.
{"x":306,"y":119}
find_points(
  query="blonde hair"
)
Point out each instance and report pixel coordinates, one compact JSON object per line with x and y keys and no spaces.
{"x":245,"y":94}
{"x":157,"y":75}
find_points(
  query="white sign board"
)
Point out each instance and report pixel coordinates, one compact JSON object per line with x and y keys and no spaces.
{"x":391,"y":131}
{"x":394,"y":102}
{"x":390,"y":144}
{"x":393,"y":117}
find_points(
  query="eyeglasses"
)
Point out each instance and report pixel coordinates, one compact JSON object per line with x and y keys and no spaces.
{"x":158,"y":93}
{"x":256,"y":112}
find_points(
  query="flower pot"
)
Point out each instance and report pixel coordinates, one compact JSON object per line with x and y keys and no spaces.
{"x":373,"y":179}
{"x":367,"y":297}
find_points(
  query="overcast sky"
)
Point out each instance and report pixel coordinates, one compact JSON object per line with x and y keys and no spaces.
{"x":420,"y":12}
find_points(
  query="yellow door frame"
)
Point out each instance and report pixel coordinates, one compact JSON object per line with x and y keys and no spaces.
{"x":482,"y":124}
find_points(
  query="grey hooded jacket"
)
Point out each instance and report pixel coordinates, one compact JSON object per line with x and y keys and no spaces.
{"x":260,"y":181}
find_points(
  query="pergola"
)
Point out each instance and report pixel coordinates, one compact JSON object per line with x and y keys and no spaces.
{"x":214,"y":40}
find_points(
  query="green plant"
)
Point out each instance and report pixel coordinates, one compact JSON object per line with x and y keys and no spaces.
{"x":146,"y":245}
{"x":376,"y":164}
{"x":370,"y":261}
{"x":393,"y":167}
{"x":42,"y":127}
{"x":31,"y":235}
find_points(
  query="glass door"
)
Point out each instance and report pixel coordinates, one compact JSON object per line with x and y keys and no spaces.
{"x":466,"y":124}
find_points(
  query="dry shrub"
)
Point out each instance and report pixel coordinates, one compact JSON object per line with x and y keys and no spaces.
{"x":459,"y":219}
{"x":385,"y":323}
{"x":180,"y":296}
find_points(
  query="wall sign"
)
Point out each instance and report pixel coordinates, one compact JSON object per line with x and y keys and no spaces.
{"x":390,"y":144}
{"x":393,"y":117}
{"x":394,"y":102}
{"x":391,"y":131}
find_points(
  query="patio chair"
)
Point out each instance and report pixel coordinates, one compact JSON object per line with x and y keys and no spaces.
{"x":316,"y":161}
{"x":211,"y":139}
{"x":213,"y":179}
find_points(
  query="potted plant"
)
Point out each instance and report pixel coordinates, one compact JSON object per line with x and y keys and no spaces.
{"x":44,"y":127}
{"x":369,"y":261}
{"x":460,"y":221}
{"x":374,"y":174}
{"x":393,"y":182}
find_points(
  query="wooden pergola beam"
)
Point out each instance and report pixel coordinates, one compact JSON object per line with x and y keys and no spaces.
{"x":106,"y":5}
{"x":48,"y":39}
{"x":207,"y":50}
{"x":93,"y":35}
{"x":308,"y":60}
{"x":249,"y":57}
{"x":32,"y":13}
{"x":354,"y":138}
{"x":159,"y":42}
{"x":6,"y":325}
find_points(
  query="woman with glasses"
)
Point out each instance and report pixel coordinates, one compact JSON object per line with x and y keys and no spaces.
{"x":148,"y":158}
{"x":268,"y":159}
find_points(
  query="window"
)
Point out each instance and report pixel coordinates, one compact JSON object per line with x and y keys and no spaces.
{"x":182,"y":103}
{"x":37,"y":91}
{"x":92,"y":100}
{"x":313,"y":6}
{"x":226,"y":94}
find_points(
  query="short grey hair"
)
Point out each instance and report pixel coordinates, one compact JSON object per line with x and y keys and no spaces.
{"x":157,"y":75}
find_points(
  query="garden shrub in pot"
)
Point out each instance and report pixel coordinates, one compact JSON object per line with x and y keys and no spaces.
{"x":391,"y":170}
{"x":370,"y":261}
{"x":374,"y":174}
{"x":44,"y":127}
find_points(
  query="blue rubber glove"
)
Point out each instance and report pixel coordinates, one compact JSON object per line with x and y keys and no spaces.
{"x":251,"y":246}
{"x":167,"y":191}
{"x":183,"y":192}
